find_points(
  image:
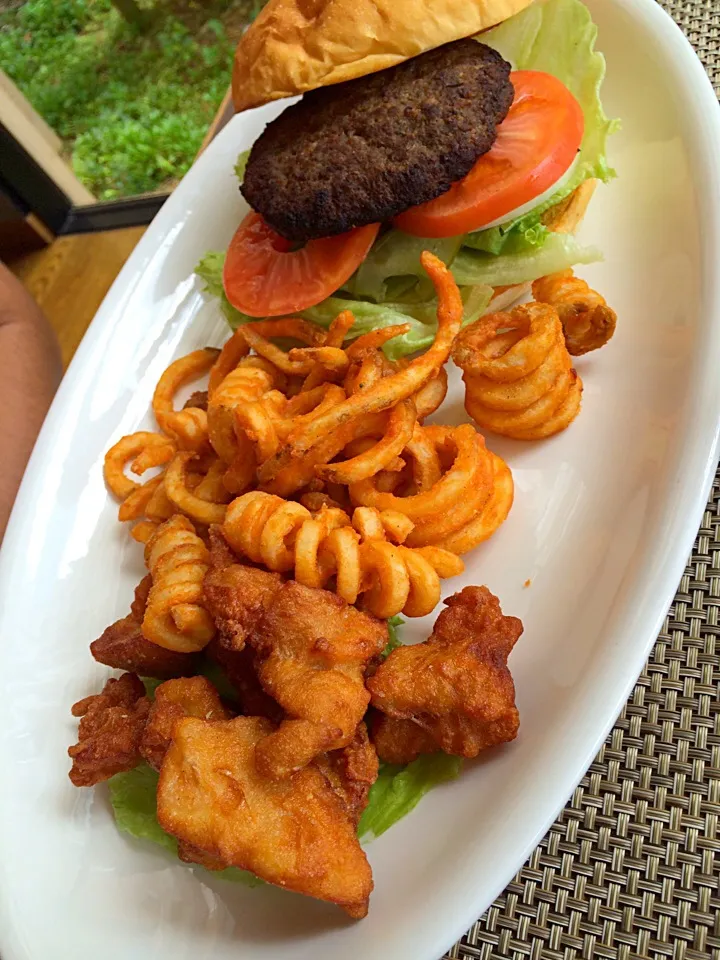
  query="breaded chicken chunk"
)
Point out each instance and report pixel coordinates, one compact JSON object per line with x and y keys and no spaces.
{"x":174,"y":699}
{"x":399,"y":741}
{"x":236,"y":595}
{"x":313,"y":650}
{"x":351,"y":772}
{"x":123,"y":646}
{"x":109,"y":732}
{"x":294,"y":833}
{"x":239,"y":667}
{"x":456,"y":685}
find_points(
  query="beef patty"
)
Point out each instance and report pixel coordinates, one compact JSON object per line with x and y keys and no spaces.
{"x":363,"y":151}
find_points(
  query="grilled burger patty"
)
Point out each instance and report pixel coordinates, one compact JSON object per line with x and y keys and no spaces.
{"x":363,"y":151}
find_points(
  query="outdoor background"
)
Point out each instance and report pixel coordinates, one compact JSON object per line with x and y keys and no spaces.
{"x":130,"y":86}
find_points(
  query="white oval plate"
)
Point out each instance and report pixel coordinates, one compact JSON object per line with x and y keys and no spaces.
{"x":604,"y":519}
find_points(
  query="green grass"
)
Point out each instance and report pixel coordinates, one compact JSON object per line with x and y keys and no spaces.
{"x":131,"y":108}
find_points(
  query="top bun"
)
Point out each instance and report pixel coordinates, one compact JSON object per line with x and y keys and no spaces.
{"x":298,"y":45}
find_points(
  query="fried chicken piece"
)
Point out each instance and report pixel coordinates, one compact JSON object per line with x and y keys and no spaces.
{"x":294,"y":833}
{"x":190,"y":854}
{"x":456,"y":685}
{"x":123,"y":646}
{"x":351,"y":772}
{"x":399,"y":741}
{"x":174,"y":699}
{"x":239,"y":667}
{"x":197,"y":399}
{"x":313,"y":649}
{"x":236,"y":595}
{"x":109,"y":732}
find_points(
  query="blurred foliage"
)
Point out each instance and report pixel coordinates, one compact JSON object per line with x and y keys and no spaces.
{"x":131,"y":107}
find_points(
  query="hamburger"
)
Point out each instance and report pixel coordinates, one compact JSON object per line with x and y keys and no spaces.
{"x":472,"y":128}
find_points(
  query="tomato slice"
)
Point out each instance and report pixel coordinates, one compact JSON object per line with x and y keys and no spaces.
{"x":265,"y":277}
{"x":536,"y":144}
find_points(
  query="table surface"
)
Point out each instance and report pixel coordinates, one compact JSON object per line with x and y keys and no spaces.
{"x":631,"y":867}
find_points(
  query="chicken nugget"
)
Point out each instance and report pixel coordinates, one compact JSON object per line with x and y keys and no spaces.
{"x":456,"y":685}
{"x":294,"y":833}
{"x":313,"y":650}
{"x":351,"y":772}
{"x":109,"y":732}
{"x":235,"y":595}
{"x":239,"y":667}
{"x":174,"y":699}
{"x":399,"y":741}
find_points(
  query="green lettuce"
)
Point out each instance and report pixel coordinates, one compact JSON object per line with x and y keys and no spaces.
{"x":394,"y":641}
{"x":398,"y":790}
{"x":240,"y":165}
{"x":557,"y":37}
{"x":559,"y":252}
{"x":422,"y":316}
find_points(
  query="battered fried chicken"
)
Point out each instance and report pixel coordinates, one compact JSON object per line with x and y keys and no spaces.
{"x":351,"y":772}
{"x":190,"y":854}
{"x":399,"y":741}
{"x":123,"y":646}
{"x":456,"y":685}
{"x":313,"y":650}
{"x":175,"y":699}
{"x":109,"y":732}
{"x":235,"y":595}
{"x":294,"y":833}
{"x":239,"y":667}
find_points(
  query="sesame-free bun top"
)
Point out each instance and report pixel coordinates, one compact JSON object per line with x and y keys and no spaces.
{"x":298,"y":45}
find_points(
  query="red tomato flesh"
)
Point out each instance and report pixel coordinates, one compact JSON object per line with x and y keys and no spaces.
{"x":265,"y":277}
{"x":536,"y":144}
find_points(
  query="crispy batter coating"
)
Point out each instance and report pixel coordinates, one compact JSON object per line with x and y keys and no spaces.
{"x":399,"y":741}
{"x":294,"y":833}
{"x":313,"y":649}
{"x":109,"y":732}
{"x":456,"y":685}
{"x":174,"y":699}
{"x":239,"y":667}
{"x":351,"y":772}
{"x":235,"y":595}
{"x":197,"y":399}
{"x":122,"y":646}
{"x":190,"y":854}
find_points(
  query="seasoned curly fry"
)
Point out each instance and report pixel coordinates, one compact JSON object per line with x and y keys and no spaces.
{"x":246,"y":383}
{"x":187,"y":426}
{"x":285,"y":537}
{"x":190,"y":502}
{"x":452,"y":500}
{"x":588,"y":322}
{"x":400,"y":425}
{"x":140,"y":450}
{"x":175,"y":617}
{"x":519,"y":383}
{"x":143,"y":530}
{"x":403,"y":384}
{"x":491,"y":515}
{"x":135,"y":505}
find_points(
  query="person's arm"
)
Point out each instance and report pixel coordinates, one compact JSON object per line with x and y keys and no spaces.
{"x":30,"y":371}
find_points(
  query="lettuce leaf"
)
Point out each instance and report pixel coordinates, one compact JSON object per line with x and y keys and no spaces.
{"x":396,"y":255}
{"x":421,"y":316}
{"x":132,"y":795}
{"x":394,"y":641}
{"x":398,"y":790}
{"x":240,"y":165}
{"x":558,"y":37}
{"x":559,"y":252}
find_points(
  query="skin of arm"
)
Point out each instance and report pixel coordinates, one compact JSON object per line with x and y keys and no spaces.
{"x":30,"y":371}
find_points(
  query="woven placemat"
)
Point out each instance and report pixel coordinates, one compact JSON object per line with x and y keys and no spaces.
{"x":631,"y":867}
